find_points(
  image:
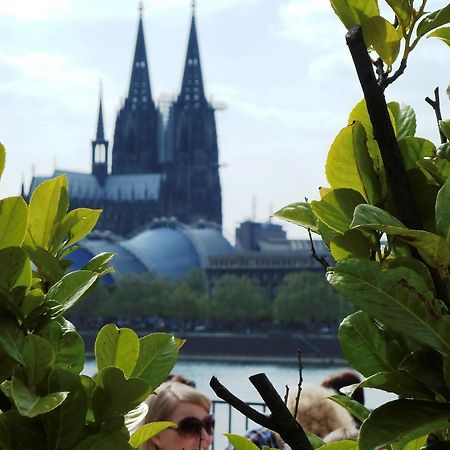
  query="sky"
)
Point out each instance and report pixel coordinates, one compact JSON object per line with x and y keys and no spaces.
{"x":281,"y":68}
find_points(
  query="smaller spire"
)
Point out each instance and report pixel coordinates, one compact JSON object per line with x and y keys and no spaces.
{"x":193,"y":6}
{"x":141,"y":8}
{"x":100,"y":136}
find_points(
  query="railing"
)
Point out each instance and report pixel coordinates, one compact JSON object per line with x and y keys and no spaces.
{"x":229,"y":420}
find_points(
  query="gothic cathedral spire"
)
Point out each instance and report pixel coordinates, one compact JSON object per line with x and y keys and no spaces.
{"x":135,"y":148}
{"x":100,"y":147}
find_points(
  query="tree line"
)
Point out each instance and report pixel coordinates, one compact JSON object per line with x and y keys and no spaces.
{"x":149,"y":301}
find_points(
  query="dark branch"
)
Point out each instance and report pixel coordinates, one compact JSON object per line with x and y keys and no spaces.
{"x":386,"y":81}
{"x":300,"y":381}
{"x":223,"y":393}
{"x":436,"y":105}
{"x":318,"y":258}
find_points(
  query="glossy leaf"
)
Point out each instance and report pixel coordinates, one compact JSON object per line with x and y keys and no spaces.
{"x":399,"y":298}
{"x":444,"y":125}
{"x":434,"y":20}
{"x":415,"y":444}
{"x":345,"y":13}
{"x":405,"y":119}
{"x":147,"y":431}
{"x":351,"y":243}
{"x":336,"y":208}
{"x":443,"y":211}
{"x":384,"y":38}
{"x":71,"y":288}
{"x":116,"y":347}
{"x":443,"y":34}
{"x":120,"y":395}
{"x":240,"y":442}
{"x":12,"y":339}
{"x":345,"y":444}
{"x":48,"y":205}
{"x":157,"y":356}
{"x":29,"y":404}
{"x":2,"y":159}
{"x":99,"y":262}
{"x":402,"y":9}
{"x":300,"y":214}
{"x":413,"y":149}
{"x":13,"y":221}
{"x":39,"y":358}
{"x":66,"y":423}
{"x":314,"y":440}
{"x":15,"y":269}
{"x":366,"y":346}
{"x":401,"y":421}
{"x":67,"y":345}
{"x":399,"y":383}
{"x":349,"y":164}
{"x":77,"y":224}
{"x":47,"y":265}
{"x":352,"y":406}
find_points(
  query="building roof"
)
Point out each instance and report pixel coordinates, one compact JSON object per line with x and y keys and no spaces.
{"x":117,"y":187}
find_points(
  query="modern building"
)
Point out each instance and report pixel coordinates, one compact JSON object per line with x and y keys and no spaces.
{"x":163,"y":163}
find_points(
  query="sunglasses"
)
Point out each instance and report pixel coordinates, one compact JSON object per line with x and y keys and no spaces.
{"x":193,"y":426}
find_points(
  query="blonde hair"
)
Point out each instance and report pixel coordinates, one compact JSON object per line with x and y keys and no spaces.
{"x":165,"y":399}
{"x":316,"y":413}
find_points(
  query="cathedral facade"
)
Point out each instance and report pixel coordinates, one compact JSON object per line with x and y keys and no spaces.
{"x":161,"y":163}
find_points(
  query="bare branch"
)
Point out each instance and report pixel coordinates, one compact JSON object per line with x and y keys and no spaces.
{"x":318,"y":258}
{"x":436,"y":105}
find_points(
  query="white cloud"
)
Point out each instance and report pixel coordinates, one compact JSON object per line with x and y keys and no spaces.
{"x":32,"y":10}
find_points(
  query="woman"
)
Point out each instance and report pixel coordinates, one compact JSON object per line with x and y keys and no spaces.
{"x":189,"y":409}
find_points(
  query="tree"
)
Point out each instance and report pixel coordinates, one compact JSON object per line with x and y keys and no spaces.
{"x":239,"y":298}
{"x":305,"y":297}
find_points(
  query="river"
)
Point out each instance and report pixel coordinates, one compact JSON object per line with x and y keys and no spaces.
{"x":235,"y":377}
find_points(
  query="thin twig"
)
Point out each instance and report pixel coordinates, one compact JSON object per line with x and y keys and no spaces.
{"x":318,"y":258}
{"x":385,"y":82}
{"x":436,"y":105}
{"x":286,"y":394}
{"x":300,"y":381}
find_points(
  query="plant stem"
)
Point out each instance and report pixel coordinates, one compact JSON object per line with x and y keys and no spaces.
{"x":436,"y":105}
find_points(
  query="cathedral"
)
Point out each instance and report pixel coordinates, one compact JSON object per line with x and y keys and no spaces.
{"x":163,"y":161}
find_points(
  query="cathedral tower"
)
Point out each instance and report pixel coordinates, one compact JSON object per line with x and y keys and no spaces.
{"x":135,"y":148}
{"x":100,"y":156}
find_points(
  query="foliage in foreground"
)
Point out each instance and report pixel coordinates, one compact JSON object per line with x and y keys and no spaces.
{"x":396,"y":276}
{"x":45,"y":401}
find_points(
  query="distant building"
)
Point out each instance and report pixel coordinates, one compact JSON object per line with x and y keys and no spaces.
{"x":162,"y":163}
{"x":264,"y":254}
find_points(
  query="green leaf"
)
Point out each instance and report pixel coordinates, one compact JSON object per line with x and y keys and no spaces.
{"x":350,"y":244}
{"x":336,"y":208}
{"x":413,"y":149}
{"x":399,"y":383}
{"x":434,"y":20}
{"x":352,"y":406}
{"x":314,"y":440}
{"x":117,"y":348}
{"x":103,"y":442}
{"x":383,"y":37}
{"x":71,"y":288}
{"x":65,"y":425}
{"x":13,"y":221}
{"x":349,"y":164}
{"x":401,"y":421}
{"x":118,"y":395}
{"x":18,"y":432}
{"x":443,"y":211}
{"x":76,"y":225}
{"x":157,"y":356}
{"x":15,"y":269}
{"x":411,"y":263}
{"x":240,"y":442}
{"x":345,"y":13}
{"x":346,"y":444}
{"x":12,"y":339}
{"x":99,"y":262}
{"x":32,"y":300}
{"x":48,"y":266}
{"x":39,"y":358}
{"x":433,"y":248}
{"x":134,"y":417}
{"x":148,"y":431}
{"x":402,"y":9}
{"x":366,"y":346}
{"x":48,"y":205}
{"x":67,"y":345}
{"x":416,"y":444}
{"x":405,"y":119}
{"x":300,"y":214}
{"x":2,"y":159}
{"x":444,"y":35}
{"x":29,"y":404}
{"x":444,"y":125}
{"x":397,"y":297}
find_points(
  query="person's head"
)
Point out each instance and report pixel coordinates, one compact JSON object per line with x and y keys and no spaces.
{"x":338,"y":380}
{"x":189,"y":409}
{"x":316,"y":413}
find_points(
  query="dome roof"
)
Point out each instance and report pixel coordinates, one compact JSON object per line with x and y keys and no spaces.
{"x":165,"y":250}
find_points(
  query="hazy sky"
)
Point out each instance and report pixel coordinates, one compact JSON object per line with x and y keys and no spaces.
{"x":281,"y":67}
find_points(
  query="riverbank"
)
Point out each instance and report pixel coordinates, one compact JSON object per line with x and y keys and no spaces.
{"x":315,"y":348}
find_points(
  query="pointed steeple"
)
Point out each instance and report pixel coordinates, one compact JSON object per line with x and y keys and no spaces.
{"x":140,"y":92}
{"x":192,"y":91}
{"x":100,"y":146}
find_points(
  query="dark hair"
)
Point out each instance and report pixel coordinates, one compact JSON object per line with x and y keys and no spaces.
{"x":338,"y":380}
